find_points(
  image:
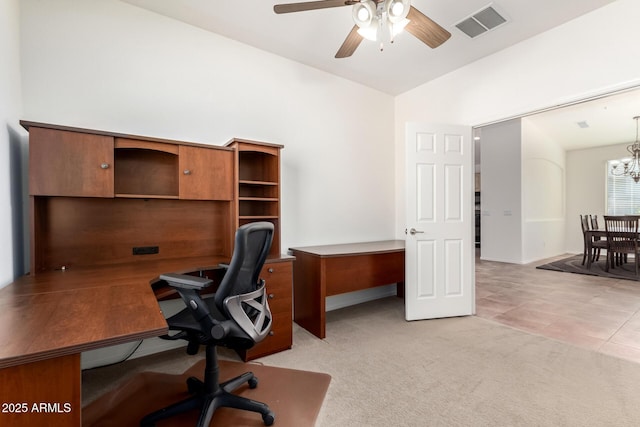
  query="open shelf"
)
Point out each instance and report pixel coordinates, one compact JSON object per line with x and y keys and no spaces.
{"x":259,"y":207}
{"x":145,"y":173}
{"x":258,"y":167}
{"x":258,"y":183}
{"x":258,"y":189}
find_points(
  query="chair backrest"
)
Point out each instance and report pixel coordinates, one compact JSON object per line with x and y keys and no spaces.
{"x":252,"y":245}
{"x":584,"y":222}
{"x":622,"y":233}
{"x":594,"y":222}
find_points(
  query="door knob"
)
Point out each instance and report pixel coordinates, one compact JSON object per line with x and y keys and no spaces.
{"x":414,"y":231}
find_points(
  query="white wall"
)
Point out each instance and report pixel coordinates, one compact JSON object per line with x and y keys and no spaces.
{"x":110,"y":65}
{"x":543,"y":195}
{"x":10,"y":137}
{"x":500,"y":189}
{"x":586,"y":188}
{"x":590,"y":55}
{"x":523,"y":193}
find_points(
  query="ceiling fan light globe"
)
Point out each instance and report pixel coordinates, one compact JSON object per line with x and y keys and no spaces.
{"x":397,"y":10}
{"x":364,"y":13}
{"x":370,"y":32}
{"x":398,"y":27}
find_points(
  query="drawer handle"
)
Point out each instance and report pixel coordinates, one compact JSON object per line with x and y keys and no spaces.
{"x":271,"y":333}
{"x":271,"y":296}
{"x":270,"y":270}
{"x":187,"y":172}
{"x":104,"y":165}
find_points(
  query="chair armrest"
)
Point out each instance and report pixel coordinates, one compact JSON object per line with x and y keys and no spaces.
{"x":184,"y":281}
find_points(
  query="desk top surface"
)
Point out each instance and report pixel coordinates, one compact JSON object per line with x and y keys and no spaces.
{"x":347,"y":249}
{"x":57,"y":313}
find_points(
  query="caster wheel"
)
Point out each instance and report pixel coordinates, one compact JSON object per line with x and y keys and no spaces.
{"x":253,"y":383}
{"x":269,"y":418}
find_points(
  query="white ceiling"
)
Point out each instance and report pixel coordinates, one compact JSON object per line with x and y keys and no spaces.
{"x":313,"y":37}
{"x":609,"y":119}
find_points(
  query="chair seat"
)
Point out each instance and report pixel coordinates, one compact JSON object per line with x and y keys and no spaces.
{"x":184,"y":319}
{"x":191,"y":329}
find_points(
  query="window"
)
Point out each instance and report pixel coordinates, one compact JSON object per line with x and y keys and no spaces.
{"x":623,"y":193}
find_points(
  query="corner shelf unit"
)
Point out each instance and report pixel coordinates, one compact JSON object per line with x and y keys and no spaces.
{"x":258,"y":184}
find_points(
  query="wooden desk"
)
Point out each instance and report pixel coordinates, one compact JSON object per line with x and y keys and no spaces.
{"x":48,"y":319}
{"x":322,"y":271}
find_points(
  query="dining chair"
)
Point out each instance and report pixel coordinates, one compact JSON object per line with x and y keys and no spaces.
{"x":584,"y":223}
{"x":622,"y":238}
{"x":591,"y":245}
{"x":619,"y":258}
{"x":597,"y":242}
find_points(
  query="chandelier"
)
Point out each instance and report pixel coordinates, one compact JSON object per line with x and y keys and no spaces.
{"x":631,"y":166}
{"x":382,"y":20}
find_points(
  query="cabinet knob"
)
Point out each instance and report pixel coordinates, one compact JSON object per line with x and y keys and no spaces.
{"x":270,"y":270}
{"x":271,"y":296}
{"x":187,"y":172}
{"x":271,"y":333}
{"x":104,"y":165}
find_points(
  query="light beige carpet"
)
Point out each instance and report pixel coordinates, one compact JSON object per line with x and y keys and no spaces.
{"x":463,"y":371}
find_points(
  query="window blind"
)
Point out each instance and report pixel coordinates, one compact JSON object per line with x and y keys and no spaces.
{"x":623,"y":194}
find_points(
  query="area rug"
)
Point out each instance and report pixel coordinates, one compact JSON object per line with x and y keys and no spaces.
{"x":573,"y":264}
{"x":294,"y":396}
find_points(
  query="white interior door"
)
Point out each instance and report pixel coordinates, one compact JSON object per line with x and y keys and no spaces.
{"x":440,"y":250}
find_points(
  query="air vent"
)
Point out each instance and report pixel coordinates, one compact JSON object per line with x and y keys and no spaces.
{"x":481,"y":22}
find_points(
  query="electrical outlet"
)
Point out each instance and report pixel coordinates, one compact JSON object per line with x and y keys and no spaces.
{"x":146,"y":250}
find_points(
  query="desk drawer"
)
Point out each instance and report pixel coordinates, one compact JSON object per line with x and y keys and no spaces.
{"x":279,"y":279}
{"x":280,"y":338}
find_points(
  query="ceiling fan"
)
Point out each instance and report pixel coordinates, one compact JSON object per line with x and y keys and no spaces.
{"x":373,"y":18}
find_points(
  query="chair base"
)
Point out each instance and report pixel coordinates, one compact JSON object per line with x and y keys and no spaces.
{"x":209,"y":396}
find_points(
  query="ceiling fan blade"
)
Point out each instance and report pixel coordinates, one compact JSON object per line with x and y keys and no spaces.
{"x":426,"y":30}
{"x":310,"y":5}
{"x":350,"y":44}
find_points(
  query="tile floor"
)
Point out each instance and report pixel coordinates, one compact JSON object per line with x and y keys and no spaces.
{"x":591,"y":312}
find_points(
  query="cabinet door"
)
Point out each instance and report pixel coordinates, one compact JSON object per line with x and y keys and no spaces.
{"x":205,"y":173}
{"x":63,"y":163}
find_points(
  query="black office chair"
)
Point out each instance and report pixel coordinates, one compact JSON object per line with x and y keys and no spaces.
{"x":237,"y":316}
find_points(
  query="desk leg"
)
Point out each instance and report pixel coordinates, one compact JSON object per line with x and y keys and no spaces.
{"x":400,"y":290}
{"x":308,"y":294}
{"x":45,"y":393}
